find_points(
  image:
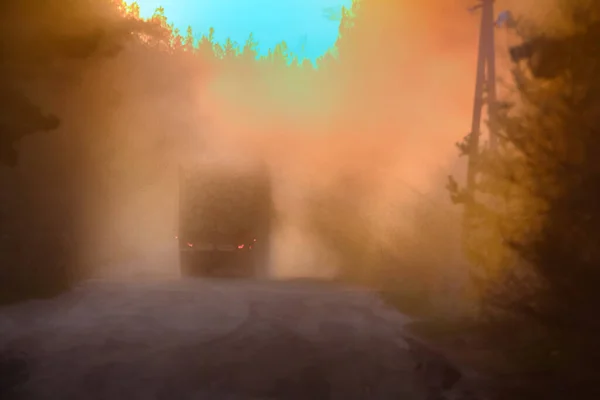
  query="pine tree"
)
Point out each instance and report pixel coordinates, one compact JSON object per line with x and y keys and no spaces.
{"x":176,"y":39}
{"x":206,"y":45}
{"x":134,"y":10}
{"x":250,"y":50}
{"x":280,"y":54}
{"x":188,"y":42}
{"x":218,"y":51}
{"x":230,"y":49}
{"x":159,"y":17}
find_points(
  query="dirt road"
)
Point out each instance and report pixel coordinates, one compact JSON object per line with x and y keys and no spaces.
{"x":195,"y":339}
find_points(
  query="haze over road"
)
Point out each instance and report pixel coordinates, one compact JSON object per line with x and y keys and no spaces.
{"x":207,"y":339}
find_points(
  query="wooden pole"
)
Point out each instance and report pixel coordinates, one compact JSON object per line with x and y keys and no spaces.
{"x":485,"y":91}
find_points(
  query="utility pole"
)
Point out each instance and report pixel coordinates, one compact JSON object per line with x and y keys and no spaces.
{"x":485,"y":91}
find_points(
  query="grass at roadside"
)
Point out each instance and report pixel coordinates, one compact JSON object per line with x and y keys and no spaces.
{"x":462,"y":341}
{"x":508,"y":363}
{"x":413,"y":304}
{"x":458,"y":338}
{"x":485,"y":347}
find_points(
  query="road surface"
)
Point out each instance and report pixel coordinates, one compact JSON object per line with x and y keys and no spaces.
{"x":207,"y":339}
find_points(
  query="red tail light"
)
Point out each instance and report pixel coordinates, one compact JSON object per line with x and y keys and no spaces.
{"x":241,"y":246}
{"x":190,"y":244}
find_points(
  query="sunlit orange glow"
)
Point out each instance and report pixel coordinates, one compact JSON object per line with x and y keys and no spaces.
{"x":360,"y":143}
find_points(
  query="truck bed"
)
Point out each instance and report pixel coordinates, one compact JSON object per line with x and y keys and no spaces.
{"x":224,"y":220}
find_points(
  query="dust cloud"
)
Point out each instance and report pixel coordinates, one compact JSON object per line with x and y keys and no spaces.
{"x":358,"y":149}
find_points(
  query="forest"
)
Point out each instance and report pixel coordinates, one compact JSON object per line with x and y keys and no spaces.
{"x":135,"y":97}
{"x":100,"y":105}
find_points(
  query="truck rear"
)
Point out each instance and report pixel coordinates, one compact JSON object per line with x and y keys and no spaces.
{"x":224,"y":221}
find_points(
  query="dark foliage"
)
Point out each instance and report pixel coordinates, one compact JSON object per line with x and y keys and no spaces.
{"x":37,"y":256}
{"x":547,"y":174}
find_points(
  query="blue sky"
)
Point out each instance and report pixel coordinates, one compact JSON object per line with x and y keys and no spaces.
{"x":311,"y":24}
